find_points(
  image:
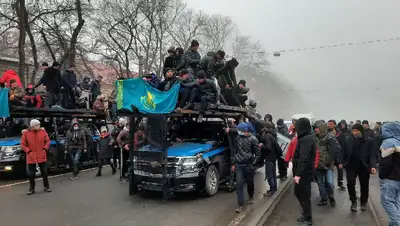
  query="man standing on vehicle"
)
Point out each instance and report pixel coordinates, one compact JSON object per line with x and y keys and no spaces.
{"x":51,"y":79}
{"x":35,"y":143}
{"x":75,"y":142}
{"x":244,"y":160}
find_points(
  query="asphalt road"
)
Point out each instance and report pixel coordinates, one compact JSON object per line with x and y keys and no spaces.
{"x":104,"y":201}
{"x":289,"y":209}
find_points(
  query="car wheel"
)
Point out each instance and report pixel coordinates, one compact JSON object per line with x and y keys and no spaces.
{"x":211,"y":181}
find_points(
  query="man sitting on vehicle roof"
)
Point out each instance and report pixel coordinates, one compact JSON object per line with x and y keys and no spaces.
{"x":204,"y":91}
{"x":101,"y":104}
{"x":169,"y":81}
{"x":151,"y":79}
{"x":32,"y":98}
{"x":208,"y":63}
{"x":16,"y":94}
{"x":237,"y":95}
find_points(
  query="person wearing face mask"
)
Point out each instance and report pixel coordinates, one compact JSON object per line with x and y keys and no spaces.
{"x":359,"y":160}
{"x":245,"y":158}
{"x":35,"y":143}
{"x":105,"y":150}
{"x":75,"y":143}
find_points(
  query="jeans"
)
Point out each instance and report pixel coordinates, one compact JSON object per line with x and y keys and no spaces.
{"x":244,"y":174}
{"x":270,"y":173}
{"x":75,"y":156}
{"x":302,"y":191}
{"x":352,"y":172}
{"x":43,"y":172}
{"x":390,"y":200}
{"x":325,"y":183}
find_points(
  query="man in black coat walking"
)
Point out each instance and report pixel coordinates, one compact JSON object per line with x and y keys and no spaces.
{"x":303,"y":168}
{"x":359,"y":159}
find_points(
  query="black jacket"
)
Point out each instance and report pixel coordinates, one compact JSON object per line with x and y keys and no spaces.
{"x":69,"y":80}
{"x":105,"y":149}
{"x":369,"y":133}
{"x":95,"y":87}
{"x":270,"y":150}
{"x":304,"y":155}
{"x":207,"y":64}
{"x":208,"y":88}
{"x":51,"y":79}
{"x":367,"y":152}
{"x":246,"y":150}
{"x":192,"y":58}
{"x":168,"y":83}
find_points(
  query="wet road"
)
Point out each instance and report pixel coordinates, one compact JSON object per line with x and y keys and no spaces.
{"x":289,"y":209}
{"x":104,"y":201}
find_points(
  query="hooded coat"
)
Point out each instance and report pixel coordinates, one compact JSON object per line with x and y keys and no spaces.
{"x":207,"y":64}
{"x":35,"y":143}
{"x":9,"y":75}
{"x":389,"y":167}
{"x":304,"y":155}
{"x":105,"y":146}
{"x":32,"y":99}
{"x":328,"y":148}
{"x":268,"y":137}
{"x":282,"y":128}
{"x":75,"y":139}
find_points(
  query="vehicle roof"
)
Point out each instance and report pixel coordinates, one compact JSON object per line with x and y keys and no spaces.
{"x":28,"y":112}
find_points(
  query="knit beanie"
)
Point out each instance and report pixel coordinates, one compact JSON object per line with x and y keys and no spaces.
{"x":358,"y":127}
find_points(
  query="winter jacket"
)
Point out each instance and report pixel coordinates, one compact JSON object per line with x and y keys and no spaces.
{"x":154,"y":81}
{"x":9,"y":75}
{"x":389,"y":167}
{"x":207,"y":64}
{"x":95,"y":88}
{"x":366,"y":152}
{"x":292,"y":148}
{"x":105,"y":147}
{"x":174,"y":62}
{"x":246,"y":150}
{"x":16,"y":93}
{"x":33,"y":100}
{"x":271,"y":149}
{"x":369,"y":133}
{"x":75,"y":139}
{"x":282,"y":129}
{"x":99,"y":105}
{"x":123,"y":138}
{"x":168,"y":83}
{"x":69,"y":80}
{"x":304,"y":155}
{"x":192,"y":58}
{"x":35,"y":143}
{"x":226,"y":74}
{"x":328,"y":148}
{"x":208,"y":88}
{"x":51,"y":79}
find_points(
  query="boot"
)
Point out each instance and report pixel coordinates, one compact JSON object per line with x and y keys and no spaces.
{"x":363,"y":207}
{"x":31,"y":191}
{"x":323,"y":202}
{"x":353,"y":207}
{"x":341,"y":187}
{"x":114,"y":170}
{"x":332,"y":201}
{"x":48,"y":190}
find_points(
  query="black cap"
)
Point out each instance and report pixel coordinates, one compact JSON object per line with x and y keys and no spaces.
{"x":55,"y":64}
{"x":201,"y":75}
{"x":221,"y":53}
{"x":243,"y":82}
{"x":358,"y":127}
{"x":45,"y":64}
{"x":194,"y":43}
{"x":365,"y":122}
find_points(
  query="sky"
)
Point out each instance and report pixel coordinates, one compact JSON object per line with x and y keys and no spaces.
{"x":350,"y":82}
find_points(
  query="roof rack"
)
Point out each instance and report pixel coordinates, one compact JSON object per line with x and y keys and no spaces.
{"x":29,"y":112}
{"x":213,"y":110}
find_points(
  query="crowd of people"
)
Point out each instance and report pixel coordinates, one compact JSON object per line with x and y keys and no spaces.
{"x":316,"y":150}
{"x":62,"y":89}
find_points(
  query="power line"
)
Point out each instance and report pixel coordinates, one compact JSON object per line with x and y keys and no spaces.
{"x":333,"y":46}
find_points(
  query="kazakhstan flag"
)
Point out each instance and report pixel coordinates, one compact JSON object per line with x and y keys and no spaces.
{"x":145,"y":98}
{"x":4,"y":110}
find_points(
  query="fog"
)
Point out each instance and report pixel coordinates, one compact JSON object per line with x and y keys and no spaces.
{"x":351,"y":82}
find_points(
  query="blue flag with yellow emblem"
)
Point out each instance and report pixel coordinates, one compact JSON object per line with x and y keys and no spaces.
{"x":4,"y":110}
{"x":145,"y":98}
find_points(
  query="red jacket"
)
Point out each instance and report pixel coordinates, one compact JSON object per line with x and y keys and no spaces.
{"x":8,"y":76}
{"x":35,"y":144}
{"x":292,"y":148}
{"x":34,"y":100}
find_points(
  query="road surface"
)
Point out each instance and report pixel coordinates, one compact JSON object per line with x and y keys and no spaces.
{"x":289,"y":209}
{"x":104,"y":201}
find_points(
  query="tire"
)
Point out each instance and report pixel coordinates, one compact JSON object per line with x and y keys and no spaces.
{"x":211,"y":181}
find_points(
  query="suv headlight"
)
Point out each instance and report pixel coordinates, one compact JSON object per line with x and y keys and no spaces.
{"x":189,"y":164}
{"x":9,"y":152}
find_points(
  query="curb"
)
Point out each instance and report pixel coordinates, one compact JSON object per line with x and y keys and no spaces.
{"x":261,"y":212}
{"x":375,"y":214}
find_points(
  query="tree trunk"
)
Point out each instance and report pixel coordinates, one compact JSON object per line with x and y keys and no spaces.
{"x":46,"y":42}
{"x":74,"y":38}
{"x":22,"y":39}
{"x":34,"y":51}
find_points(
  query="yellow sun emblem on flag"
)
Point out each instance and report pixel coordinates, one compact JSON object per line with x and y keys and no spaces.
{"x":148,"y":101}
